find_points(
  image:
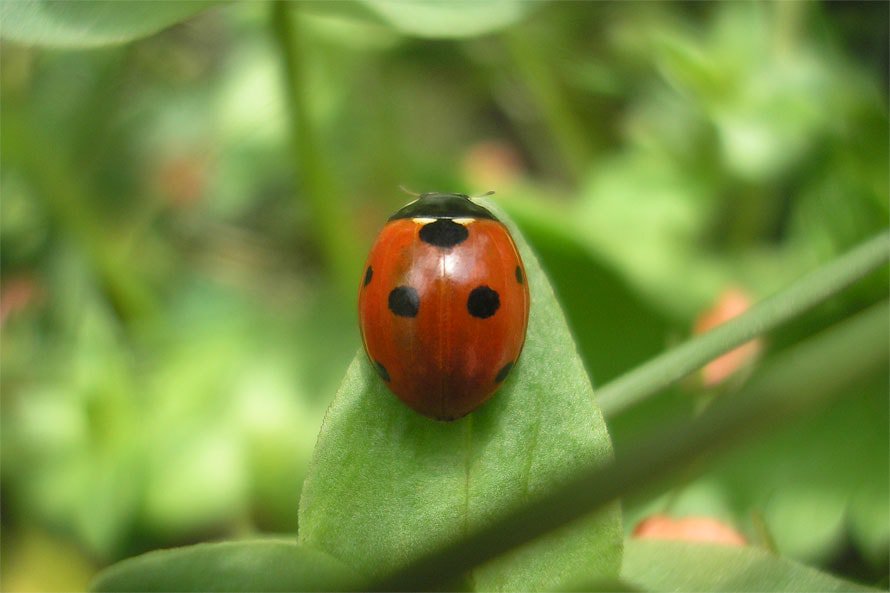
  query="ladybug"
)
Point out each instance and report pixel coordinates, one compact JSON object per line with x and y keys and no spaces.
{"x":443,"y":305}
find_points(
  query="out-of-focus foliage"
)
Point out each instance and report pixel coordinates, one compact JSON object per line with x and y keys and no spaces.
{"x":175,"y":311}
{"x":88,"y":24}
{"x":681,"y":566}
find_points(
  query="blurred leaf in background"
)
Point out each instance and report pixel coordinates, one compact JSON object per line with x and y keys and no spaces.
{"x":188,"y":189}
{"x":163,"y":373}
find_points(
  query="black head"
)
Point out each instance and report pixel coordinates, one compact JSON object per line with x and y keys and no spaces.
{"x":439,"y":205}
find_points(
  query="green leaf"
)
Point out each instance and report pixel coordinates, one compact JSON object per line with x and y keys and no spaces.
{"x":450,"y":19}
{"x":455,"y":19}
{"x":387,"y":485}
{"x":573,"y":270}
{"x":90,"y":23}
{"x":681,"y":566}
{"x":253,"y":565}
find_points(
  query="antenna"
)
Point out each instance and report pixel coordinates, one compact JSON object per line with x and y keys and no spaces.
{"x":408,"y":191}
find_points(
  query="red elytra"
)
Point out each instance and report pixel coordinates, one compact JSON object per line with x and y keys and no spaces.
{"x":443,"y":305}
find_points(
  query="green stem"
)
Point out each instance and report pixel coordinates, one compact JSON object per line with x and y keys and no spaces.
{"x":798,"y":380}
{"x":334,"y":232}
{"x":787,"y":17}
{"x":567,"y":129}
{"x":660,"y":372}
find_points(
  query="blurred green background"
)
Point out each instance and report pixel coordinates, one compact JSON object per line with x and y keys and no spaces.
{"x":184,"y":220}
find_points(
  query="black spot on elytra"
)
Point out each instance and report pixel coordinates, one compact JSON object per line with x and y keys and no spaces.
{"x":502,"y":374}
{"x":404,"y":301}
{"x":381,"y":370}
{"x":443,"y":233}
{"x":518,"y":275}
{"x":483,"y":302}
{"x":368,"y":274}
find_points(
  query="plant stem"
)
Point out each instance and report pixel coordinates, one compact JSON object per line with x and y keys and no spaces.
{"x":542,"y":84}
{"x":333,"y":223}
{"x":660,"y":372}
{"x":797,"y":381}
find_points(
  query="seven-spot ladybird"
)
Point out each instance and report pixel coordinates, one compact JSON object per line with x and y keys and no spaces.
{"x":443,"y":305}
